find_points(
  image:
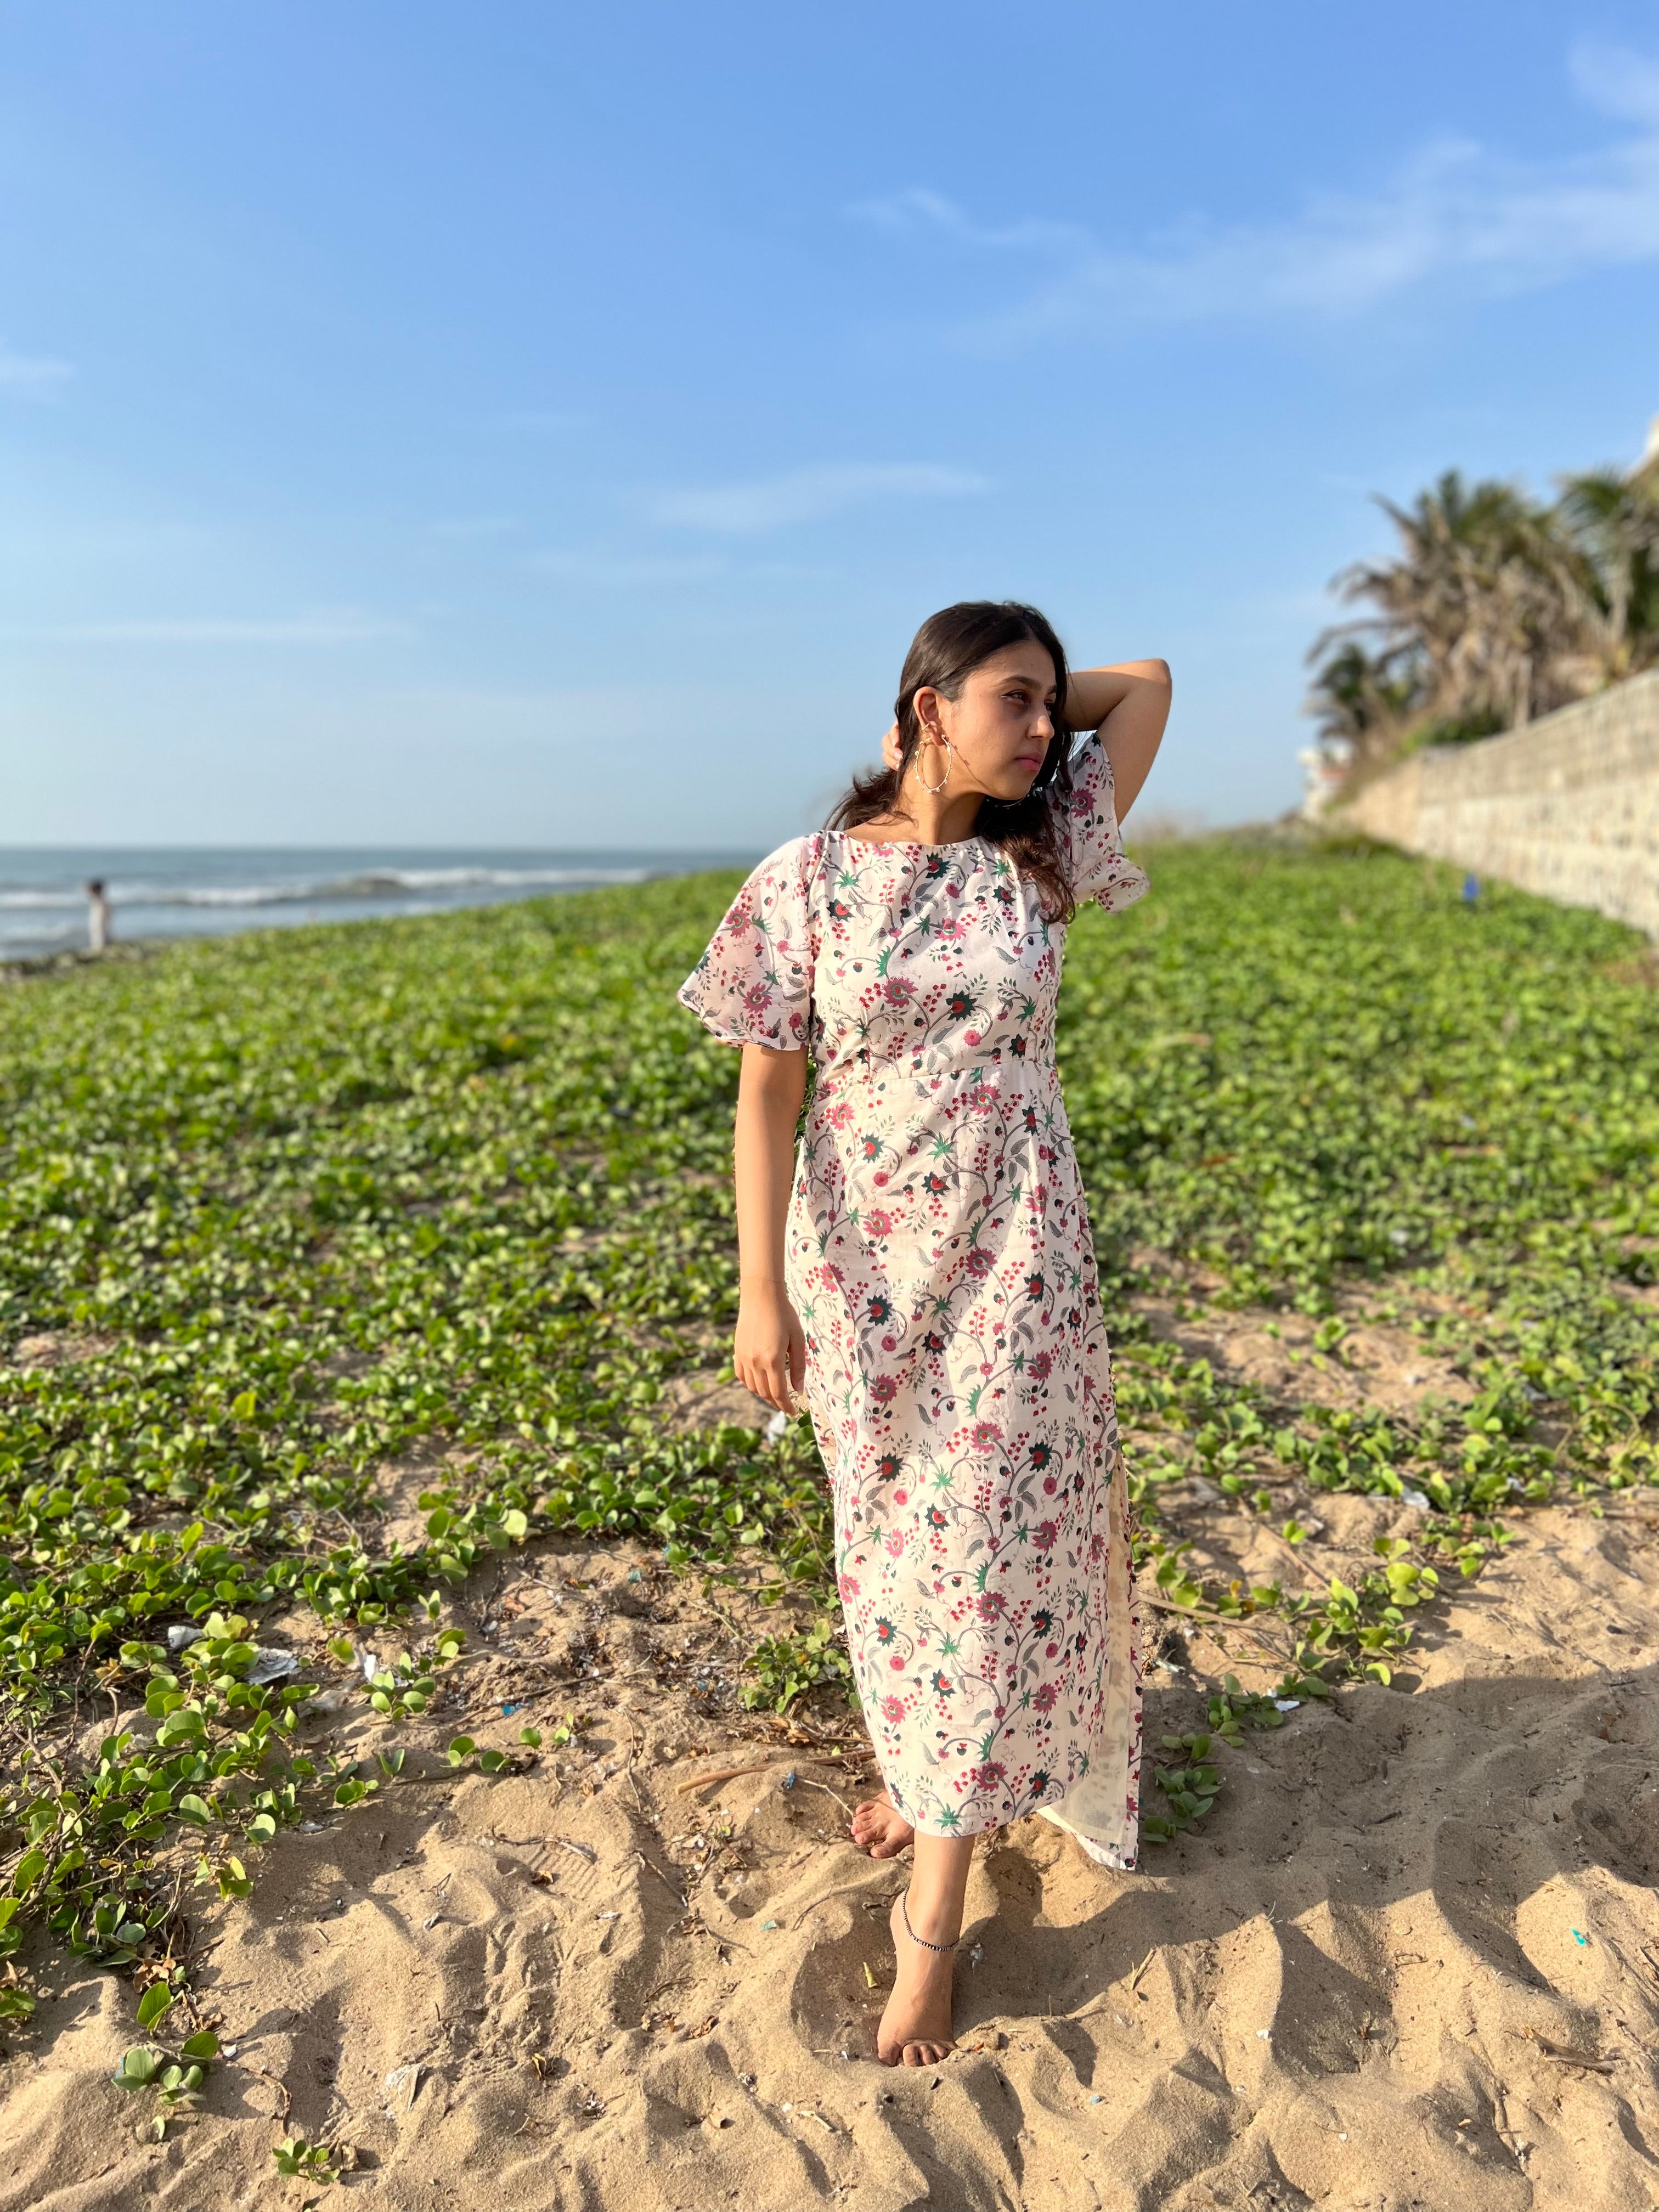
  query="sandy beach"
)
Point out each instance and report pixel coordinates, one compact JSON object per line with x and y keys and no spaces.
{"x":1410,"y":1963}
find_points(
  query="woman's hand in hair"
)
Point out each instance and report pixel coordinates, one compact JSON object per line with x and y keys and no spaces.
{"x":889,"y":747}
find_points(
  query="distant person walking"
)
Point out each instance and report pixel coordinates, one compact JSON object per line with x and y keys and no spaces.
{"x":98,"y":911}
{"x":921,"y":1271}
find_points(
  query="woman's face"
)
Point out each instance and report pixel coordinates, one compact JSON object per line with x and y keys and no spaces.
{"x":1001,"y":726}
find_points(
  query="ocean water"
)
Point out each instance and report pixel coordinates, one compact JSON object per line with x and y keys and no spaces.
{"x":211,"y":892}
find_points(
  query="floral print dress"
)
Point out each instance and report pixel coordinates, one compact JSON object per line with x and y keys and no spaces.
{"x":937,"y":1253}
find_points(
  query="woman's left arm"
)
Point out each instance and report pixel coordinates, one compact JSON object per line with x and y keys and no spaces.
{"x":1129,"y":705}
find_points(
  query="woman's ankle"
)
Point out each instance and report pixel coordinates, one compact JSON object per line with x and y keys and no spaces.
{"x":932,"y":1921}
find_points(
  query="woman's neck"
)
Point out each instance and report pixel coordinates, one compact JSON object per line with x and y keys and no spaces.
{"x":925,"y":818}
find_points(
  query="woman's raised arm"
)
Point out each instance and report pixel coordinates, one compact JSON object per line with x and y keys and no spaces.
{"x":1129,"y":705}
{"x":769,"y":1348}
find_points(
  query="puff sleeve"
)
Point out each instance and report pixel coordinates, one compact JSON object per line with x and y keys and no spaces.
{"x":754,"y":984}
{"x":1099,"y":870}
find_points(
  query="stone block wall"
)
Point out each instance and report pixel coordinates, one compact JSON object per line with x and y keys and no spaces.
{"x":1568,"y":806}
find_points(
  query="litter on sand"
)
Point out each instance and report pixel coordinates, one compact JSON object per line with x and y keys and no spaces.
{"x":181,"y":1637}
{"x":403,"y":2086}
{"x":270,"y":1664}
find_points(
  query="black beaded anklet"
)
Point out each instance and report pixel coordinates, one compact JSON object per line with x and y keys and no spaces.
{"x":904,"y":1908}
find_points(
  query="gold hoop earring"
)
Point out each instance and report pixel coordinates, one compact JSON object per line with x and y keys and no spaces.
{"x":933,"y":789}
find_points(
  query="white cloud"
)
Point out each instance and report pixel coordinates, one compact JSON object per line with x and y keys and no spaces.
{"x":612,"y":571}
{"x":809,"y":494}
{"x":1618,"y":79}
{"x":548,"y":421}
{"x":470,"y":529}
{"x":1453,"y":210}
{"x":321,"y":629}
{"x":33,"y":374}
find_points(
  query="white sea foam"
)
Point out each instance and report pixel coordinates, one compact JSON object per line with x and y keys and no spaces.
{"x":211,"y":892}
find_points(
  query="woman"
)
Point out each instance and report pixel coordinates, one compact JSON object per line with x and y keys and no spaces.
{"x":923,"y":1270}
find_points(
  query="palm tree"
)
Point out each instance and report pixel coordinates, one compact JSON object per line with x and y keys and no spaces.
{"x":1481,"y":619}
{"x":1362,"y":701}
{"x":1612,"y":519}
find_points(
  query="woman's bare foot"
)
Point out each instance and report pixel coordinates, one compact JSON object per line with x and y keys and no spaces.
{"x":915,"y":2025}
{"x":880,"y":1829}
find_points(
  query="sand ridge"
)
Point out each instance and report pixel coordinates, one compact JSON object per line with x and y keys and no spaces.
{"x":588,"y":1985}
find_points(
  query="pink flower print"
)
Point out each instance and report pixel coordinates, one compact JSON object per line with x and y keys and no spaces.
{"x":896,"y":991}
{"x":974,"y":1038}
{"x":988,"y":1777}
{"x":980,"y":1262}
{"x":985,"y":1434}
{"x":992,"y":1605}
{"x":878,"y":1224}
{"x":1046,"y":1697}
{"x":849,"y":1588}
{"x":884,"y":1389}
{"x":840,"y":1115}
{"x":892,"y":1709}
{"x":1039,"y":1368}
{"x":757,"y":996}
{"x":893,"y":1543}
{"x":1047,"y":1535}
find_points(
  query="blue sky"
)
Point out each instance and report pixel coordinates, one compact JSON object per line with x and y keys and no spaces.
{"x":527,"y":424}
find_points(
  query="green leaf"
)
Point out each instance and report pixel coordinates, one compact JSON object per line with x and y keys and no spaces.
{"x":203,"y":2045}
{"x":137,"y":2069}
{"x":30,"y":1868}
{"x":156,"y":2001}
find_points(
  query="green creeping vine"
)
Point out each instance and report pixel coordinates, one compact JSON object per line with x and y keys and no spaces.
{"x":299,"y":1227}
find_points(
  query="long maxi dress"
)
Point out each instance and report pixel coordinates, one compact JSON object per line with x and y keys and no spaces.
{"x":938,"y":1252}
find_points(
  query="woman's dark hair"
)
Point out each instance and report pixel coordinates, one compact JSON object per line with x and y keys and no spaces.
{"x":944,"y":654}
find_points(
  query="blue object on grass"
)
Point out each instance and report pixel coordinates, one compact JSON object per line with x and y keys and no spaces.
{"x":1471,"y":888}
